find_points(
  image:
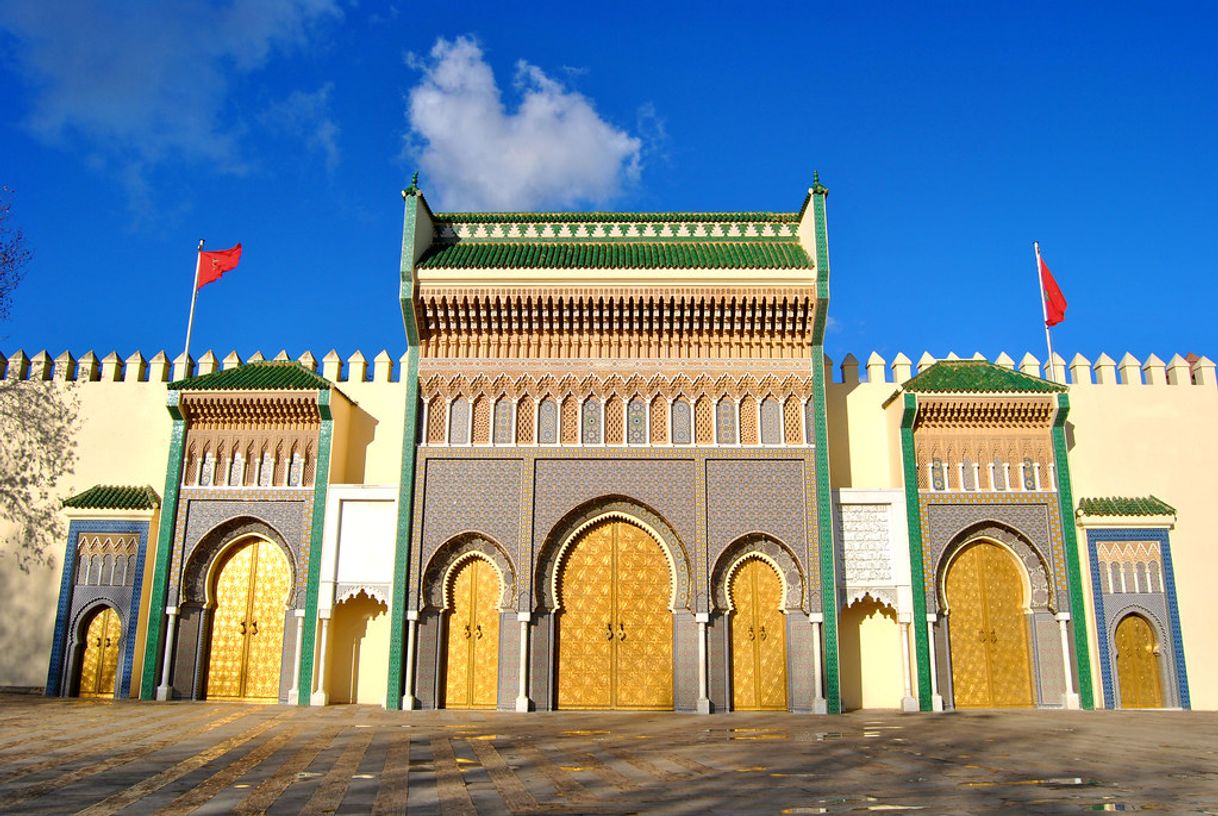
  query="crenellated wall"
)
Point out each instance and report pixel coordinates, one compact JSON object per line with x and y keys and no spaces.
{"x":1136,"y":427}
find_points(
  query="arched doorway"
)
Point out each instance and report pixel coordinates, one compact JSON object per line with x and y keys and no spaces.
{"x":759,"y":638}
{"x":615,"y":621}
{"x":359,"y":657}
{"x":870,"y":648}
{"x":988,"y":629}
{"x":1137,"y":659}
{"x":471,"y":667}
{"x":249,"y":589}
{"x":99,"y":662}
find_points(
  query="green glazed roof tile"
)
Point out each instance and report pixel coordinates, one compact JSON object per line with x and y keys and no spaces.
{"x":270,"y":375}
{"x":617,"y":217}
{"x":115,"y":497}
{"x":701,"y":255}
{"x":1125,"y":506}
{"x":979,"y":376}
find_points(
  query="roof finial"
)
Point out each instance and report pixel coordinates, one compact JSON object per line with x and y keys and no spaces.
{"x":817,"y":187}
{"x":413,"y":189}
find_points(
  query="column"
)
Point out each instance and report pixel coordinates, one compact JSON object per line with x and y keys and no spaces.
{"x":704,"y":703}
{"x":522,"y":692}
{"x":819,"y":705}
{"x":294,"y":691}
{"x":320,"y":697}
{"x":165,"y":691}
{"x":1069,"y":696}
{"x":409,"y":703}
{"x":936,"y":699}
{"x":904,"y":621}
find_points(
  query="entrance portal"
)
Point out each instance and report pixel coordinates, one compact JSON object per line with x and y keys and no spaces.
{"x":99,"y":664}
{"x":759,"y":639}
{"x":989,"y":633}
{"x":615,"y":624}
{"x":251,"y":589}
{"x":1138,"y":664}
{"x":472,"y":667}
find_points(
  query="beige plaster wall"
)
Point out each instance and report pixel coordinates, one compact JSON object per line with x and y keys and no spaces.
{"x":871,"y":674}
{"x":359,"y":657}
{"x":374,"y":437}
{"x":864,"y":440}
{"x":1134,"y":440}
{"x":122,"y":438}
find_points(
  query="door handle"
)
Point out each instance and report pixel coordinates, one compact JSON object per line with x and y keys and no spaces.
{"x":478,"y":629}
{"x":98,"y":644}
{"x":608,"y":631}
{"x":254,"y":627}
{"x":763,"y":632}
{"x":107,"y":643}
{"x":243,"y":627}
{"x":621,"y":631}
{"x":467,"y":632}
{"x":751,"y":635}
{"x":981,"y":634}
{"x":993,"y":637}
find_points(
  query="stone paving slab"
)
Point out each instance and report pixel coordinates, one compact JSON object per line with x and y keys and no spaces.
{"x":103,"y":757}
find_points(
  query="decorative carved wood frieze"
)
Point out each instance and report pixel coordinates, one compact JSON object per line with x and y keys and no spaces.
{"x":622,"y":322}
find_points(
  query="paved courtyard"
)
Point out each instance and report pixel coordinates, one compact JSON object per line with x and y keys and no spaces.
{"x":65,"y":756}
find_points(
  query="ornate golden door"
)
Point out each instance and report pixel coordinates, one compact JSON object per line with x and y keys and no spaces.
{"x":99,"y":664}
{"x":615,"y":627}
{"x":247,"y":629}
{"x":989,"y":635}
{"x":759,"y":639}
{"x":1137,"y":662}
{"x":472,"y":679}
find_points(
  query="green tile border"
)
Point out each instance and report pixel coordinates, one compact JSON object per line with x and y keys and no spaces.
{"x":406,"y":476}
{"x":909,"y":467}
{"x":321,"y":484}
{"x":1065,"y":506}
{"x":164,"y":550}
{"x":820,"y":427}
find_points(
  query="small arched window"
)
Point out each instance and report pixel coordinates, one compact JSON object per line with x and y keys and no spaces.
{"x":682,"y":424}
{"x":503,"y":421}
{"x":591,"y":424}
{"x":725,"y":422}
{"x":771,"y":422}
{"x":458,"y":422}
{"x":547,"y":422}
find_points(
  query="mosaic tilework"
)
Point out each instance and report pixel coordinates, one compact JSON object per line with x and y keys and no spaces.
{"x":1108,"y":609}
{"x":165,"y":534}
{"x":1069,"y":539}
{"x":310,"y":563}
{"x":126,"y":598}
{"x":775,"y":554}
{"x":439,"y":566}
{"x":746,"y":497}
{"x":408,"y":492}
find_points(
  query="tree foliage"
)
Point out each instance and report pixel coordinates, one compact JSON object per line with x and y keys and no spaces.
{"x":38,"y":421}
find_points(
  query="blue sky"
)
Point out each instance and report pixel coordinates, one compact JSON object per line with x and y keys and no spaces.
{"x":951,"y":136}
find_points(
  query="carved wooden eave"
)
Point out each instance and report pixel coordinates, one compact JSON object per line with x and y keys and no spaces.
{"x":986,"y":412}
{"x":632,"y":322}
{"x":227,"y":410}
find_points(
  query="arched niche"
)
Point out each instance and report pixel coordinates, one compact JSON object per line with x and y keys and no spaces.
{"x":768,"y":549}
{"x":458,"y":549}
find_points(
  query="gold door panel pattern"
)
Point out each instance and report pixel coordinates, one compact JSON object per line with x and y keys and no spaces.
{"x":759,"y":639}
{"x":615,"y":627}
{"x":247,"y":628}
{"x":99,"y":663}
{"x":991,"y":664}
{"x":1137,"y":662}
{"x":473,"y":637}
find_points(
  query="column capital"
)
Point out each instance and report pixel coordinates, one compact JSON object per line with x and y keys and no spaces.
{"x":300,"y":613}
{"x":1062,"y":617}
{"x":412,"y":614}
{"x":816,"y":617}
{"x":523,"y":617}
{"x":931,"y":617}
{"x":702,"y":617}
{"x":171,"y":610}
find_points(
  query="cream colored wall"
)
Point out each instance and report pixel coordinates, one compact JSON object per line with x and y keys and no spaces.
{"x":122,"y":438}
{"x":864,"y":446}
{"x":359,"y":657}
{"x":868,"y":638}
{"x":374,"y":436}
{"x":1134,"y":440}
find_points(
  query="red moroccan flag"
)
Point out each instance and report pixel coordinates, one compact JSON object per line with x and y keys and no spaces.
{"x":1055,"y":301}
{"x":214,"y":264}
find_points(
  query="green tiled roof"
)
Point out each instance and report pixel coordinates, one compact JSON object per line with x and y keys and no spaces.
{"x":617,"y":217}
{"x":630,"y":255}
{"x":1126,"y":506}
{"x":977,"y":376}
{"x":269,"y":375}
{"x":115,"y":497}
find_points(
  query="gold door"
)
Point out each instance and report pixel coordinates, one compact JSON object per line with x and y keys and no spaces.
{"x":99,"y":664}
{"x":759,"y":639}
{"x":989,"y":636}
{"x":473,"y":638}
{"x":247,"y":628}
{"x":615,"y":628}
{"x":1138,"y":664}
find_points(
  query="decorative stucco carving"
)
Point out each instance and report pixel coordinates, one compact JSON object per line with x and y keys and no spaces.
{"x":774,"y":553}
{"x":460,"y":548}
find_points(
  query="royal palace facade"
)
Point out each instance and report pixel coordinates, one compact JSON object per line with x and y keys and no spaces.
{"x":614,"y":469}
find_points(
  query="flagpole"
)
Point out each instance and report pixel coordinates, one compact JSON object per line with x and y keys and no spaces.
{"x":1044,"y":310}
{"x":194,"y":296}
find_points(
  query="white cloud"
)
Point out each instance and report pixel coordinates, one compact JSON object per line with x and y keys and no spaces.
{"x":144,"y":81}
{"x":554,"y":150}
{"x":307,"y":116}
